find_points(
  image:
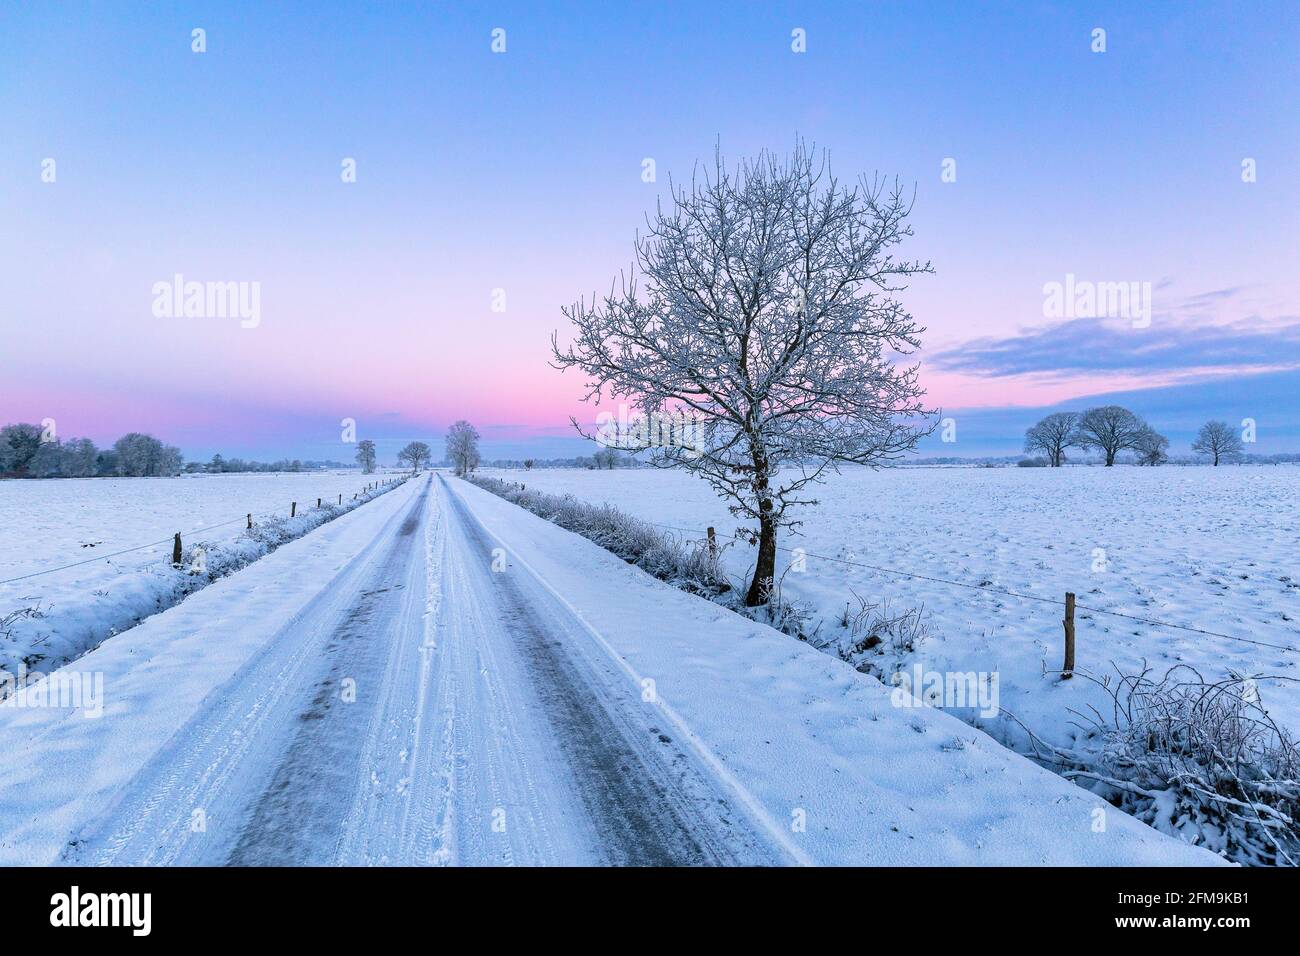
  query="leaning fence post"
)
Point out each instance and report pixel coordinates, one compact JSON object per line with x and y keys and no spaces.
{"x":1068,"y":670}
{"x":713,"y":545}
{"x":293,"y":509}
{"x":176,"y":550}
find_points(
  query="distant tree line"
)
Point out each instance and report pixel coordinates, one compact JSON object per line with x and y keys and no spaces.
{"x":603,"y":458}
{"x":220,"y":465}
{"x":26,"y":451}
{"x":1111,"y":429}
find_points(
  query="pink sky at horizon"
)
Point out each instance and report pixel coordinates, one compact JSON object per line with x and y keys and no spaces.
{"x":535,"y":403}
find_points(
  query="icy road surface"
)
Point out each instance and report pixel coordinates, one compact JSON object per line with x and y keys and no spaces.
{"x":442,"y":678}
{"x":384,"y":725}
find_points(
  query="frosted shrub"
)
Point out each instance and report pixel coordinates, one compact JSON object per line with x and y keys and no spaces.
{"x":683,"y":563}
{"x":1200,"y":760}
{"x":875,"y":636}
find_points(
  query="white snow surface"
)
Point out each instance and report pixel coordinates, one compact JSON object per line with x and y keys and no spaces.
{"x":49,"y":522}
{"x":1210,"y":548}
{"x":47,"y":525}
{"x":508,"y":672}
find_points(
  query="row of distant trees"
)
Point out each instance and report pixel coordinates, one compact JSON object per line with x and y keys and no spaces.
{"x":604,"y":458}
{"x":1111,"y":429}
{"x":28,"y":451}
{"x":220,"y":465}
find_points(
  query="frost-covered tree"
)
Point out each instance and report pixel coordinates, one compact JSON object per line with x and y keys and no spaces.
{"x":416,"y":454}
{"x":1151,"y":447}
{"x":1218,"y":442}
{"x":528,"y":464}
{"x":1109,"y":428}
{"x":169,"y":462}
{"x":1052,"y":436}
{"x":48,"y":460}
{"x":135,"y":454}
{"x":366,"y":456}
{"x":763,"y":304}
{"x":18,"y":445}
{"x":462,"y":447}
{"x":79,"y":458}
{"x":142,"y":456}
{"x":106,"y":463}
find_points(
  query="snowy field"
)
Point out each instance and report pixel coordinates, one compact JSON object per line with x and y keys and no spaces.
{"x":60,"y":539}
{"x":1209,"y":548}
{"x":49,"y":523}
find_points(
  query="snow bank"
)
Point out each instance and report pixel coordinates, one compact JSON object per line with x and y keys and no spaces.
{"x":41,"y":634}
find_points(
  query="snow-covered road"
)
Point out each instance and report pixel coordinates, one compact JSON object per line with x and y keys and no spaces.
{"x":385,"y":726}
{"x":440,"y":677}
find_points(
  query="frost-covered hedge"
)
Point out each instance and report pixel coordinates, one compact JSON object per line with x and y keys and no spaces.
{"x":683,"y":563}
{"x":689,"y":564}
{"x":43,"y":637}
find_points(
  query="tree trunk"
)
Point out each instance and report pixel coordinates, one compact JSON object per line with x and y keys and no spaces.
{"x":1110,"y":458}
{"x":765,"y":570}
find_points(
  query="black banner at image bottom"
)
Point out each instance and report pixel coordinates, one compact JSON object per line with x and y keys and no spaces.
{"x":335,"y":905}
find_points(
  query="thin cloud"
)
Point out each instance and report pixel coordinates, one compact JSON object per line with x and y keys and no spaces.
{"x":1094,"y":345}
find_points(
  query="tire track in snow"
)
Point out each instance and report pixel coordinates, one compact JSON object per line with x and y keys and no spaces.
{"x":272,"y":758}
{"x":489,"y":727}
{"x":646,"y":798}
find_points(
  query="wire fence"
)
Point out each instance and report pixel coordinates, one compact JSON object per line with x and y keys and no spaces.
{"x":1006,"y":592}
{"x":247,"y":516}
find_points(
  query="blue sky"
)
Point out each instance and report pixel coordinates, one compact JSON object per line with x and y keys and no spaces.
{"x":522,"y":171}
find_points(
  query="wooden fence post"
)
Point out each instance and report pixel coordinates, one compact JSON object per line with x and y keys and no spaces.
{"x":713,"y":545}
{"x":176,"y":550}
{"x":250,"y":519}
{"x":1068,"y":670}
{"x":340,"y":499}
{"x":293,"y":509}
{"x":317,"y":502}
